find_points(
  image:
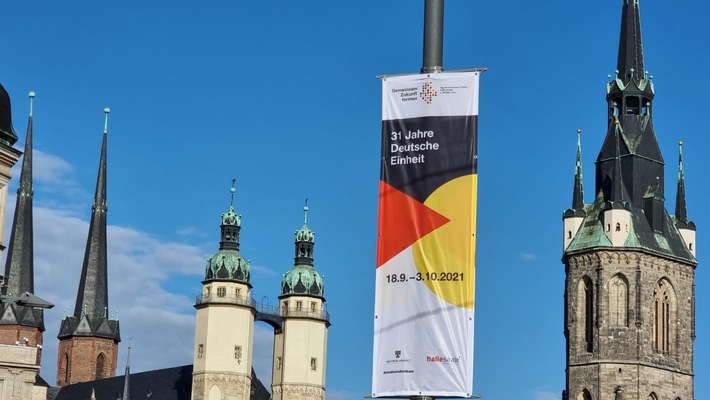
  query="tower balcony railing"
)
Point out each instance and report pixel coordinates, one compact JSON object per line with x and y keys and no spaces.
{"x":264,"y":309}
{"x":304,"y":312}
{"x":228,"y":299}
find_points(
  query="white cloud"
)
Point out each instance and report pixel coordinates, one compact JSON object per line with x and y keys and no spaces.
{"x":262,"y":271}
{"x":187,"y":231}
{"x":50,"y":168}
{"x":546,"y":395}
{"x":528,"y":256}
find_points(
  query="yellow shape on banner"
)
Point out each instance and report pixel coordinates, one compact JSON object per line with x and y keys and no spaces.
{"x":445,"y":257}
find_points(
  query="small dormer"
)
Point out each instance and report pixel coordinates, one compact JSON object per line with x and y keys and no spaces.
{"x":617,"y":223}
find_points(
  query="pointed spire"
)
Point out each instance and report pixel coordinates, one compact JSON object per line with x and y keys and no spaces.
{"x":578,"y":194}
{"x":681,"y":210}
{"x":630,"y":61}
{"x":92,"y":297}
{"x":616,"y":194}
{"x":127,"y":377}
{"x":19,"y":266}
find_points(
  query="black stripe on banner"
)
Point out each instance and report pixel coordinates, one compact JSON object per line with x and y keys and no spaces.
{"x":421,"y":154}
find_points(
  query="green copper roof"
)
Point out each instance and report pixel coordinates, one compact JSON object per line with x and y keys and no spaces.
{"x":667,"y":242}
{"x":227,"y":263}
{"x":303,"y":278}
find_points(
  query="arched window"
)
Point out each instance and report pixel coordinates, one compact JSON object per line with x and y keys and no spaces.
{"x":215,"y":393}
{"x":664,"y":315}
{"x":585,"y":313}
{"x":652,"y":396}
{"x":65,"y":366}
{"x":585,"y":395}
{"x":101,"y":366}
{"x":618,"y":301}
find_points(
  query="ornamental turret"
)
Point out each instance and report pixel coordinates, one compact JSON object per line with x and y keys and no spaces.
{"x":227,"y":263}
{"x":303,"y":278}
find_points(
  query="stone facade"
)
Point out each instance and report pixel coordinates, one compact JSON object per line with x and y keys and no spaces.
{"x":24,"y":336}
{"x":18,"y":373}
{"x":614,"y":351}
{"x":79,"y":358}
{"x":232,"y":386}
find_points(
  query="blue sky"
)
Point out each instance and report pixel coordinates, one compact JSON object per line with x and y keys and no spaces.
{"x":282,"y":96}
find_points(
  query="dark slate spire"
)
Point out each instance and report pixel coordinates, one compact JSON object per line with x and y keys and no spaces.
{"x":630,"y":166}
{"x":617,"y":197}
{"x":681,"y":208}
{"x":19,"y":267}
{"x":630,"y":102}
{"x":91,"y":311}
{"x":92,"y":298}
{"x":630,"y":62}
{"x":127,"y":378}
{"x":578,"y":194}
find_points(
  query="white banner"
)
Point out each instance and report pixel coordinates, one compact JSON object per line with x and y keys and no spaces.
{"x":424,"y":304}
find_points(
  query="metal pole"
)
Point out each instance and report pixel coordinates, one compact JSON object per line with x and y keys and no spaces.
{"x":433,"y":36}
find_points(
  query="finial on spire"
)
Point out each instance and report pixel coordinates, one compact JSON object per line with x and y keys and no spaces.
{"x":32,"y":97}
{"x":107,"y":111}
{"x":232,"y":191}
{"x":305,"y":213}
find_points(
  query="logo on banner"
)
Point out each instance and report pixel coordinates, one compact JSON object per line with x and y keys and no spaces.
{"x":428,"y":92}
{"x":398,"y":358}
{"x":443,"y":359}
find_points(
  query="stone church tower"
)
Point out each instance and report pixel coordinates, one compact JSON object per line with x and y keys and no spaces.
{"x":88,"y":340}
{"x":629,"y":265}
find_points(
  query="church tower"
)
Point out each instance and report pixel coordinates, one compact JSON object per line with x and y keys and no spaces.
{"x":8,"y":154}
{"x":88,"y":340}
{"x":300,"y":346}
{"x":224,"y":328}
{"x":22,"y":319}
{"x":629,"y":265}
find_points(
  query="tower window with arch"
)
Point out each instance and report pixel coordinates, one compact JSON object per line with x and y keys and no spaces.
{"x":618,"y":301}
{"x":584,"y":395}
{"x":585,"y":314}
{"x":101,"y":366}
{"x":65,"y":367}
{"x":652,"y":396}
{"x":664,"y":314}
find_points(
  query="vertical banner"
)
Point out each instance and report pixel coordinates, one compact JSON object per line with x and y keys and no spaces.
{"x":423,"y":342}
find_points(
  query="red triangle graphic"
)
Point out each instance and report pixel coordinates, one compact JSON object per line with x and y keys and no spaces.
{"x":402,"y":221}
